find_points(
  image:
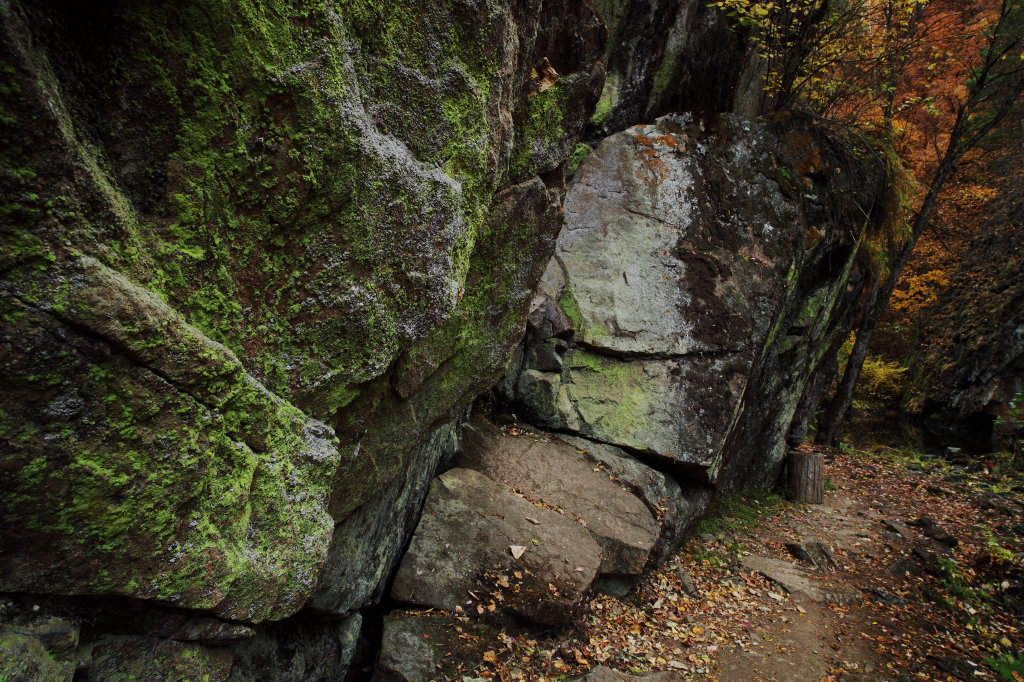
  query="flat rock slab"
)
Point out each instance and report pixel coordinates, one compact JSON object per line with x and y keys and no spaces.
{"x":897,"y":527}
{"x":462,"y":554}
{"x":424,"y":647}
{"x":796,"y":581}
{"x":554,"y":473}
{"x":603,"y":674}
{"x":677,"y":508}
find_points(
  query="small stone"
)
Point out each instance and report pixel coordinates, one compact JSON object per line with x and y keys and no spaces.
{"x":902,"y":567}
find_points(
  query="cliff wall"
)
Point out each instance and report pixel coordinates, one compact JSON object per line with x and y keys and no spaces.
{"x":259,"y":259}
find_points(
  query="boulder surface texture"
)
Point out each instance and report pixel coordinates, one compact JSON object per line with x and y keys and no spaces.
{"x":703,"y":267}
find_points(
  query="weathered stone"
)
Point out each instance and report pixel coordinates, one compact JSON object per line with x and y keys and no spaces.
{"x":58,"y":636}
{"x":539,"y":394}
{"x":817,"y":554}
{"x":897,"y":527}
{"x":686,"y":583}
{"x":122,"y":658}
{"x":462,"y":547}
{"x":23,"y":656}
{"x":676,"y":507}
{"x":933,"y":531}
{"x":367,"y":545}
{"x":544,"y":357}
{"x":282,"y":219}
{"x":425,"y":647}
{"x":972,"y":365}
{"x":213,"y":632}
{"x":886,"y":597}
{"x":182,"y":626}
{"x":905,"y":566}
{"x":204,"y":488}
{"x":554,"y":473}
{"x":666,"y":55}
{"x":998,"y":503}
{"x":797,"y":582}
{"x":292,"y":651}
{"x":547,"y":319}
{"x":634,"y":404}
{"x":705,"y":271}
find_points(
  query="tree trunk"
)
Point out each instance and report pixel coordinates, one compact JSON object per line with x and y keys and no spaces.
{"x":806,"y":474}
{"x":830,"y":426}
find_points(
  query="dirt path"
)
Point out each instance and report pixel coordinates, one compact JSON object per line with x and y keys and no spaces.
{"x":918,"y":591}
{"x":813,"y":633}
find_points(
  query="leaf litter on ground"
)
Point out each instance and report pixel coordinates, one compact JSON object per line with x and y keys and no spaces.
{"x":952,"y":617}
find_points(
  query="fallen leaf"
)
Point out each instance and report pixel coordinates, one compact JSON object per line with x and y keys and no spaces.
{"x":517,"y":551}
{"x":490,"y":657}
{"x":533,"y":521}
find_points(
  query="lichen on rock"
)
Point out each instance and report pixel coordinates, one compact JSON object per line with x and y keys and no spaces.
{"x":231,"y":229}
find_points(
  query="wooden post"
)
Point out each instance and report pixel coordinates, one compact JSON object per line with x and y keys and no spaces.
{"x":806,"y":475}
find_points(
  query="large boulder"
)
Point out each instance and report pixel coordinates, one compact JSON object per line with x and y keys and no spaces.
{"x":550,"y":472}
{"x":484,"y":549}
{"x":969,"y":364}
{"x":704,"y":264}
{"x":676,"y":506}
{"x":250,"y":260}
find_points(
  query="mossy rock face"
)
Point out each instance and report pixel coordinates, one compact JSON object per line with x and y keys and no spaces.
{"x":121,"y":659}
{"x":25,"y":657}
{"x":969,"y":364}
{"x":666,"y":56}
{"x":230,"y":227}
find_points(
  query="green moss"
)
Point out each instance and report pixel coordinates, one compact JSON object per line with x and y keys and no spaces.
{"x":567,"y":301}
{"x":612,"y":395}
{"x":158,"y":484}
{"x":576,"y":159}
{"x":541,"y":128}
{"x":23,"y":657}
{"x":740,"y":513}
{"x":609,"y":100}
